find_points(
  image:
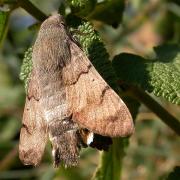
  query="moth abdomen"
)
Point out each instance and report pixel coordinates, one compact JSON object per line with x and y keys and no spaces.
{"x":64,"y":140}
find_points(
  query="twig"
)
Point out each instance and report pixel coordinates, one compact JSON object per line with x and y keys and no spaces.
{"x":31,"y":9}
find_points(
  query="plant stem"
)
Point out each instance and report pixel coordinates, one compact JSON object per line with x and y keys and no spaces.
{"x":154,"y":106}
{"x":31,"y":9}
{"x":111,"y":162}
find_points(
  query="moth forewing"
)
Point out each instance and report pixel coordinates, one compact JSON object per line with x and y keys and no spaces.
{"x":33,"y":135}
{"x":93,"y":103}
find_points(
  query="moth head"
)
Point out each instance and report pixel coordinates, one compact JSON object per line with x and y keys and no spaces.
{"x":56,"y":20}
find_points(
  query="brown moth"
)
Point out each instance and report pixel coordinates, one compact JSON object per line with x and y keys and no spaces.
{"x":67,"y":102}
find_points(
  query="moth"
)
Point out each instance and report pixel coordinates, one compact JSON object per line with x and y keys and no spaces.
{"x":67,"y":101}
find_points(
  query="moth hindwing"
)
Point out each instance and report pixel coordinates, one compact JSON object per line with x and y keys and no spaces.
{"x":67,"y":100}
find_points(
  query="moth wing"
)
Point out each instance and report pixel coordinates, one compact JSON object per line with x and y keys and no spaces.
{"x":93,"y":103}
{"x":33,"y":135}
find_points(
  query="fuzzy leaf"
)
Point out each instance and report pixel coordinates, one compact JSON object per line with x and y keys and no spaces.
{"x":100,"y":11}
{"x":160,"y":75}
{"x":26,"y":67}
{"x":82,"y":7}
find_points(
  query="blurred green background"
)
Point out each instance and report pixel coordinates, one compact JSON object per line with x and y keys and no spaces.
{"x":153,"y":150}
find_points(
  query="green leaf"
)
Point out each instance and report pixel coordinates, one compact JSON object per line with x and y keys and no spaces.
{"x":4,"y":16}
{"x":132,"y":69}
{"x":99,"y":11}
{"x":26,"y":67}
{"x":160,"y":75}
{"x":109,"y":12}
{"x":82,"y":7}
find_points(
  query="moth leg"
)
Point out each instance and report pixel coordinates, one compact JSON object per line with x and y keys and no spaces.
{"x":101,"y":142}
{"x":88,"y":138}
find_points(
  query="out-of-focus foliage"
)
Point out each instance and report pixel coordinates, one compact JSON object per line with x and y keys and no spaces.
{"x":3,"y":23}
{"x":153,"y":151}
